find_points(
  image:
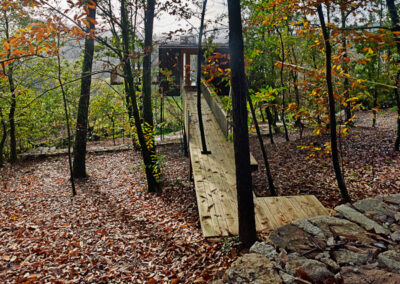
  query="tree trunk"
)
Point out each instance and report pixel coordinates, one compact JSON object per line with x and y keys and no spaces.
{"x":396,"y":30}
{"x":263,"y":150}
{"x":346,"y":83}
{"x":148,"y":47}
{"x":11,"y":116}
{"x":201,"y":125}
{"x":66,"y":120}
{"x":3,"y":137}
{"x":79,"y":166}
{"x":332,"y":117}
{"x":152,"y":183}
{"x":269,"y":118}
{"x":283,"y":85}
{"x":247,"y":226}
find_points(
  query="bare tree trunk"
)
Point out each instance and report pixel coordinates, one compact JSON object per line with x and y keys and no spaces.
{"x":11,"y":116}
{"x":13,"y":104}
{"x":269,"y":118}
{"x":332,"y":117}
{"x":152,"y":183}
{"x":148,"y":47}
{"x":283,"y":85}
{"x":66,"y":120}
{"x":247,"y":225}
{"x":201,"y":126}
{"x":396,"y":30}
{"x":263,"y":150}
{"x":79,"y":165}
{"x":346,"y":83}
{"x":3,"y":137}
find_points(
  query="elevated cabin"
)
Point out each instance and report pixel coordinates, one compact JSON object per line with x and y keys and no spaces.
{"x":178,"y":66}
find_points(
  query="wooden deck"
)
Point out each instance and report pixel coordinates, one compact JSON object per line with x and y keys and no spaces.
{"x":215,"y":182}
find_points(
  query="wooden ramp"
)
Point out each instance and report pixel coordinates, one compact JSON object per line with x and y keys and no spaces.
{"x":215,"y":182}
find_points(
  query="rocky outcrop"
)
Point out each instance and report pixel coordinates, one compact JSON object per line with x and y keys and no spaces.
{"x":362,"y":245}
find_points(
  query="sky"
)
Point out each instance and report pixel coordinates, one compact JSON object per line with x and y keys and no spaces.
{"x":166,"y":23}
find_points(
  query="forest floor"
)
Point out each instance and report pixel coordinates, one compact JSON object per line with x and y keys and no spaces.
{"x":371,"y":165}
{"x":111,"y":231}
{"x":114,"y":231}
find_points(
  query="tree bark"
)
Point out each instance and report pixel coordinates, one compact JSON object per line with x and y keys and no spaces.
{"x":13,"y":104}
{"x":332,"y":117}
{"x":152,"y":183}
{"x":11,"y":116}
{"x":66,"y":120}
{"x":396,"y":28}
{"x":79,"y":165}
{"x":247,"y":226}
{"x":346,"y":83}
{"x":148,"y":47}
{"x":199,"y":113}
{"x":3,"y":137}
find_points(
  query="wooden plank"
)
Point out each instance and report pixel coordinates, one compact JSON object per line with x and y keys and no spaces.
{"x":306,"y":206}
{"x":298,"y":207}
{"x":269,"y":214}
{"x":292,"y":213}
{"x":265,"y":217}
{"x":215,"y":182}
{"x":316,"y":205}
{"x":274,"y":204}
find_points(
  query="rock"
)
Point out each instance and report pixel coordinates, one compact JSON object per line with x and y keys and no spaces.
{"x":395,"y":236}
{"x":308,"y":269}
{"x":355,"y":216}
{"x":252,"y":268}
{"x":344,"y":256}
{"x":265,"y":250}
{"x":366,"y":205}
{"x":365,"y":275}
{"x":340,"y":227}
{"x":287,"y":278}
{"x":293,"y":239}
{"x":308,"y":227}
{"x":331,"y":264}
{"x":324,"y":254}
{"x":392,"y":199}
{"x":330,"y":242}
{"x":397,"y":217}
{"x":391,"y":259}
{"x":395,"y":228}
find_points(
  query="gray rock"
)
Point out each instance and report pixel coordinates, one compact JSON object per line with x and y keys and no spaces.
{"x":252,"y":268}
{"x":316,"y":271}
{"x":265,"y":250}
{"x":355,"y":216}
{"x":391,"y":259}
{"x":287,"y":278}
{"x":324,"y":254}
{"x":395,"y":228}
{"x":331,"y":264}
{"x":344,"y":256}
{"x":395,"y":236}
{"x":343,"y":228}
{"x":392,"y":199}
{"x":308,"y":227}
{"x":366,"y":205}
{"x":293,"y":239}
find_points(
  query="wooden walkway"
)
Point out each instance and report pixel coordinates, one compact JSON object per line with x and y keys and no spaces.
{"x":215,"y":182}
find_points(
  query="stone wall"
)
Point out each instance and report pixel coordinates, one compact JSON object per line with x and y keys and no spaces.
{"x":361,"y":244}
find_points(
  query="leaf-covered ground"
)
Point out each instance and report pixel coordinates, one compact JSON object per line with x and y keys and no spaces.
{"x":111,"y":231}
{"x":371,"y":165}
